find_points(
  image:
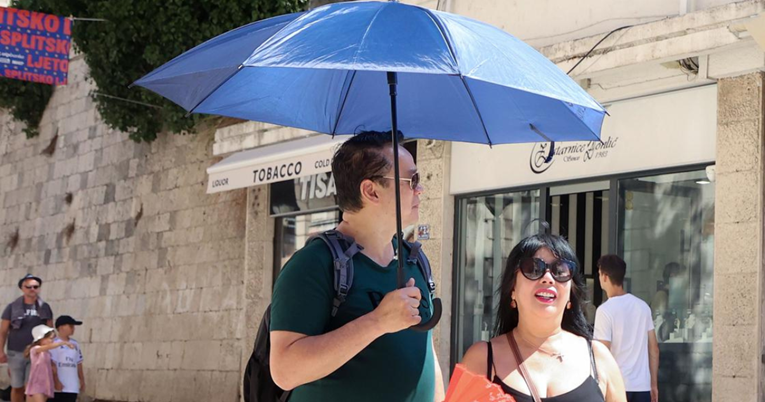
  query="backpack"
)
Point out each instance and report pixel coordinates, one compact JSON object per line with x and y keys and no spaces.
{"x":258,"y":386}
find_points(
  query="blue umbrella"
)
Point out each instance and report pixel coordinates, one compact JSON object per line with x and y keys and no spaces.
{"x":327,"y":70}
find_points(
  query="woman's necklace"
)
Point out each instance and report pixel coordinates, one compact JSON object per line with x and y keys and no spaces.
{"x":554,"y":355}
{"x":558,"y":356}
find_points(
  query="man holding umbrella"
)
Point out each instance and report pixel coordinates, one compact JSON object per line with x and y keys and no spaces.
{"x":366,"y":350}
{"x":339,"y":69}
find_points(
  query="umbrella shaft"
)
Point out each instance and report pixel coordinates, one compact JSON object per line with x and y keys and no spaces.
{"x":392,"y":82}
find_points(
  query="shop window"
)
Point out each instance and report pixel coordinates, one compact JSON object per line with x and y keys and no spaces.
{"x":292,"y":232}
{"x":489,"y":227}
{"x":666,"y":236}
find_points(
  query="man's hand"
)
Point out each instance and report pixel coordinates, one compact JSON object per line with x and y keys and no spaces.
{"x":82,"y":387}
{"x":57,"y":385}
{"x":399,"y":309}
{"x":3,"y":357}
{"x":654,"y":393}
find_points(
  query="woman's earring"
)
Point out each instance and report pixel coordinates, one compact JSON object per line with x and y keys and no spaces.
{"x":568,"y":305}
{"x":513,"y":304}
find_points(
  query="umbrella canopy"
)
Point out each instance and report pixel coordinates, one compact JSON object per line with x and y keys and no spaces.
{"x":325,"y":70}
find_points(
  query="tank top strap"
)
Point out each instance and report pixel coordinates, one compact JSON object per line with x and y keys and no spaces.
{"x":592,"y":362}
{"x":490,"y":362}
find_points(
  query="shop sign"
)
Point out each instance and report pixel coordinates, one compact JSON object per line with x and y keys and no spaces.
{"x":302,"y":195}
{"x":656,"y":132}
{"x":34,"y":46}
{"x":285,"y":161}
{"x":544,"y":154}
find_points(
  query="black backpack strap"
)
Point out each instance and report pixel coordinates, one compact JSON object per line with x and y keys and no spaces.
{"x":416,"y":256}
{"x":343,"y":263}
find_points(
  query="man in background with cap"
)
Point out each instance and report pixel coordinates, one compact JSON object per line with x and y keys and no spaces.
{"x":18,"y":319}
{"x":68,"y":374}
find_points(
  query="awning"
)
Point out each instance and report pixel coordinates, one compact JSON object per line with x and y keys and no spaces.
{"x":282,"y":161}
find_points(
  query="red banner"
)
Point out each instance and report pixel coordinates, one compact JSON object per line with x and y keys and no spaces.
{"x":34,"y":46}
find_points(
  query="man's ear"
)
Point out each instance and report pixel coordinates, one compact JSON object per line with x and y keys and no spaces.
{"x":368,"y":191}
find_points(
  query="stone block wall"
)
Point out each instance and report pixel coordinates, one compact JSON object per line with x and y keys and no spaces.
{"x":738,"y":368}
{"x":437,"y":212}
{"x":149,"y":262}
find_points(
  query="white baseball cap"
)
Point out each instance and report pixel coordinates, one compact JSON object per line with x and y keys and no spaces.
{"x":40,"y":331}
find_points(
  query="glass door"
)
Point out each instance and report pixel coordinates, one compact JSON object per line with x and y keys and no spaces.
{"x":666,"y":235}
{"x":489,"y":227}
{"x":580,"y":214}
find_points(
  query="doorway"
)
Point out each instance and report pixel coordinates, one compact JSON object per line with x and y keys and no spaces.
{"x":580,"y":214}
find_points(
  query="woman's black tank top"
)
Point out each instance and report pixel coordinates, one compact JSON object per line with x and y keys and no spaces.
{"x":588,"y":391}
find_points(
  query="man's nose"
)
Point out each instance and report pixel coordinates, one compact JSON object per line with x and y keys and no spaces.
{"x":419,"y":189}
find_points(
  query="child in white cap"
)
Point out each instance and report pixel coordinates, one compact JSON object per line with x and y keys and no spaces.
{"x":40,"y":385}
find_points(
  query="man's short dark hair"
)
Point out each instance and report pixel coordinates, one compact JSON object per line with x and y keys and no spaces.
{"x":358,"y":159}
{"x":614,"y":267}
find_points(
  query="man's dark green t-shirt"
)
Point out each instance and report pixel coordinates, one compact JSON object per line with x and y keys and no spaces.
{"x":397,"y":367}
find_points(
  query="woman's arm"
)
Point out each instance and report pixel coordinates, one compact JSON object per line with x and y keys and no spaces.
{"x":439,"y":392}
{"x":609,"y":373}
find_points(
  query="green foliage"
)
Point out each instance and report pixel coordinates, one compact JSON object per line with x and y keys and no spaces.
{"x":141,"y":35}
{"x":26,"y":101}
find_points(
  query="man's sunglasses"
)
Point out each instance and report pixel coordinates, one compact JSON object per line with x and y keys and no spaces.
{"x":413,"y":182}
{"x":32,"y":287}
{"x":534,"y":268}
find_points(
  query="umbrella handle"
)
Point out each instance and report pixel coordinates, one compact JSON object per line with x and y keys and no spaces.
{"x":434,"y":319}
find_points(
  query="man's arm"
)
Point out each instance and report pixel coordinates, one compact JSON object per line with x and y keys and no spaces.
{"x":602,"y":330}
{"x":440,"y":393}
{"x":298,"y":359}
{"x":653,"y":362}
{"x":5,"y":327}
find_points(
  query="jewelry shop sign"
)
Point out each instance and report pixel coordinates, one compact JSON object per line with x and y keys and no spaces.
{"x":654,"y":132}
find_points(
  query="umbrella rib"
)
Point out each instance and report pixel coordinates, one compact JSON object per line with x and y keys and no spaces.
{"x":477,"y":111}
{"x":213,"y":91}
{"x":366,"y":33}
{"x":444,"y":34}
{"x":597,"y":137}
{"x":342,"y":106}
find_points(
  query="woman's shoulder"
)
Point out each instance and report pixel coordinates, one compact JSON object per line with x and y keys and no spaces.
{"x":600,"y":351}
{"x":477,"y":350}
{"x":476,"y":358}
{"x":604,"y":361}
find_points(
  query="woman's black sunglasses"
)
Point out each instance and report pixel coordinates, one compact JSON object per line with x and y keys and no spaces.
{"x":534,"y":268}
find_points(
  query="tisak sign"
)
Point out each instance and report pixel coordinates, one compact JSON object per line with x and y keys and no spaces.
{"x":34,"y":46}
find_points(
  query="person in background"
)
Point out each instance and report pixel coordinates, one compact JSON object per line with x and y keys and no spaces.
{"x":68,"y":374}
{"x":40,"y":385}
{"x":624,"y":324}
{"x":18,"y":320}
